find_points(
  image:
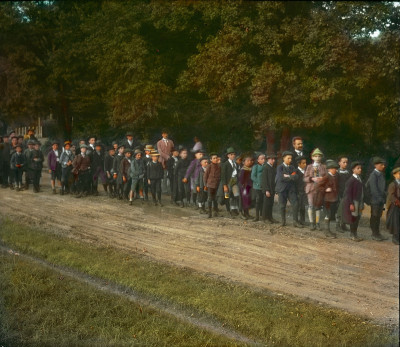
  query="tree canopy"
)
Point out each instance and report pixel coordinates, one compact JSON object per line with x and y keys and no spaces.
{"x":227,"y":71}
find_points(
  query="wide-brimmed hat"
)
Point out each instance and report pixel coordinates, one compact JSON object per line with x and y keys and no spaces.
{"x":331,"y":164}
{"x":317,"y":151}
{"x":129,"y":133}
{"x":230,"y":150}
{"x":154,"y":153}
{"x":354,"y":164}
{"x":67,"y":143}
{"x":285,"y":153}
{"x":83,"y":146}
{"x":98,"y":144}
{"x":378,"y":160}
{"x":149,"y":148}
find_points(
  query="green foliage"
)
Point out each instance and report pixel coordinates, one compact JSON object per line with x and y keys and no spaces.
{"x":309,"y":65}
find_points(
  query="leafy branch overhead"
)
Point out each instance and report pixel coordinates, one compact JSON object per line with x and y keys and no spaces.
{"x":273,"y":64}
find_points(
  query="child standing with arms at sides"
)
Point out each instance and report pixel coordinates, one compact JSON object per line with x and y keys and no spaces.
{"x":245,"y":185}
{"x":212,"y":178}
{"x":256,"y":174}
{"x":180,"y":172}
{"x":301,"y":194}
{"x":313,"y":175}
{"x":353,"y":203}
{"x":155,"y":173}
{"x":54,"y":165}
{"x":199,"y":184}
{"x":37,"y":166}
{"x":330,"y":186}
{"x":17,"y":166}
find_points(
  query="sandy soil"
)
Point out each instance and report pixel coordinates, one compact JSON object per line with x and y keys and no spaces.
{"x":359,"y":277}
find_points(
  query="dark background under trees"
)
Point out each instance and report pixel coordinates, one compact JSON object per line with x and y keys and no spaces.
{"x":247,"y":74}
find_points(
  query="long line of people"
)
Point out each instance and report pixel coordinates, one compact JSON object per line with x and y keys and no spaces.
{"x":328,"y":193}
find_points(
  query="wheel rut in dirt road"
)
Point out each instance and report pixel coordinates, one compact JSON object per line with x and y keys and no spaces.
{"x":201,"y":322}
{"x":361,"y":278}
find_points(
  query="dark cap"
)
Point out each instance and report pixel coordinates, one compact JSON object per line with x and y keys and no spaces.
{"x":285,"y":153}
{"x":354,"y":164}
{"x":378,"y":160}
{"x":270,"y":155}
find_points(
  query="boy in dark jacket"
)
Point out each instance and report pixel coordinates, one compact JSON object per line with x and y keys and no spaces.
{"x":344,"y":175}
{"x":123,"y":170}
{"x":286,"y":189}
{"x":212,"y":178}
{"x":37,"y":166}
{"x":136,"y":174}
{"x":98,"y":168}
{"x":155,"y":173}
{"x":66,"y":160}
{"x":330,"y":185}
{"x":180,"y":171}
{"x":199,"y":186}
{"x":377,"y":184}
{"x":353,"y":203}
{"x":268,"y":189}
{"x":17,"y":166}
{"x":116,"y":171}
{"x":109,"y":171}
{"x":171,"y":164}
{"x":300,"y":189}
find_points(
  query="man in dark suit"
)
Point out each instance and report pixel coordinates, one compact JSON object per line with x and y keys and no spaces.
{"x":129,"y":142}
{"x":268,"y":189}
{"x":286,"y":188}
{"x":297,"y":143}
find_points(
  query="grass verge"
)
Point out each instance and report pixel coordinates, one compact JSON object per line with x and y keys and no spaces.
{"x":272,"y":320}
{"x":41,"y":308}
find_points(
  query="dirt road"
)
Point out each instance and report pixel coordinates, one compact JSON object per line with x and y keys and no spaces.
{"x":362,"y":278}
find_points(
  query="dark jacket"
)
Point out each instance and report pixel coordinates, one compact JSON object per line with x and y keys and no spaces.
{"x":285,"y":183}
{"x":124,"y":167}
{"x":109,"y":164}
{"x":212,"y":176}
{"x":17,"y":159}
{"x":353,"y":194}
{"x":377,"y":185}
{"x":300,"y":185}
{"x":37,"y":160}
{"x":343,"y":177}
{"x":155,"y":171}
{"x":117,"y":164}
{"x":268,"y":179}
{"x":97,"y":160}
{"x":226,"y":172}
{"x":181,"y":168}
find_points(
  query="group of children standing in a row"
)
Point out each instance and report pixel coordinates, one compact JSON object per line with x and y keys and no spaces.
{"x":237,"y":182}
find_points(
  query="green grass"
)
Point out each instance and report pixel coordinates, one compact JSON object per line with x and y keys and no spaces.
{"x":40,"y":308}
{"x":272,"y":320}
